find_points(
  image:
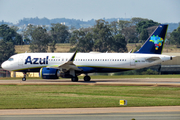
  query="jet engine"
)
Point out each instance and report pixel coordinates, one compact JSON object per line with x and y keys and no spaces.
{"x":53,"y":73}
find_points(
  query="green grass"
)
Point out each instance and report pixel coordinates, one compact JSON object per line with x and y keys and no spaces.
{"x":80,"y":96}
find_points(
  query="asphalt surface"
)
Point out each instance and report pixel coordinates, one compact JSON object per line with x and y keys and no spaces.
{"x":120,"y":113}
{"x":109,"y":116}
{"x":175,"y":82}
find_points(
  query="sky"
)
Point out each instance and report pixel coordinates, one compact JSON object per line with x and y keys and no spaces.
{"x":162,"y":11}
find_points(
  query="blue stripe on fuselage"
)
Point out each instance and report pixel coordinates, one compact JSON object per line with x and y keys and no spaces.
{"x":84,"y":69}
{"x":101,"y":69}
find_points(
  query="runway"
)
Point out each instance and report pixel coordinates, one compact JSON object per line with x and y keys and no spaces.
{"x":174,"y":82}
{"x":120,"y":113}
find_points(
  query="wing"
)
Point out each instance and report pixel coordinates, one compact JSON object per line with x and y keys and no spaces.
{"x":69,"y":65}
{"x":131,"y":51}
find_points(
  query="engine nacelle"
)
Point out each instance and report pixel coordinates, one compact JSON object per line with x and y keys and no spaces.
{"x":49,"y":73}
{"x":52,"y":73}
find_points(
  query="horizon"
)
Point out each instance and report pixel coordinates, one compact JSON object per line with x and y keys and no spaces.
{"x":80,"y":19}
{"x":162,"y":11}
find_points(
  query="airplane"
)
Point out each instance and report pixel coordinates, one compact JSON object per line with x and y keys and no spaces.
{"x":71,"y":65}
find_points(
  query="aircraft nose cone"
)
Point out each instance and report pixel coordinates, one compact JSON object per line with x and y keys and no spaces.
{"x":3,"y":65}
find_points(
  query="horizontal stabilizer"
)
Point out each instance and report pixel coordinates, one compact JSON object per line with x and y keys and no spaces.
{"x":152,"y":59}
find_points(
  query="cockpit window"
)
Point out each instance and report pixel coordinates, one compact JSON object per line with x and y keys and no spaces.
{"x":10,"y":59}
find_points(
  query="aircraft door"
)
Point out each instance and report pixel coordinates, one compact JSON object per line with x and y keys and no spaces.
{"x":133,"y":63}
{"x":20,"y":61}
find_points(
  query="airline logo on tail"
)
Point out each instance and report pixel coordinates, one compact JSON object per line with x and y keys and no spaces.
{"x":157,"y":41}
{"x":154,"y":44}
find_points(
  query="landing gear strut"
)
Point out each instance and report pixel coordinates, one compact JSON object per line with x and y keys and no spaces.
{"x":74,"y":79}
{"x":24,"y":78}
{"x":87,"y":78}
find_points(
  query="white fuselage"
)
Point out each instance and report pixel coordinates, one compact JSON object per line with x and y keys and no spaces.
{"x":109,"y":61}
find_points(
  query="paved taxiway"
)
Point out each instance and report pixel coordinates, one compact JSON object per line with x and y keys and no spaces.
{"x":118,"y":82}
{"x":120,"y":113}
{"x":108,"y":116}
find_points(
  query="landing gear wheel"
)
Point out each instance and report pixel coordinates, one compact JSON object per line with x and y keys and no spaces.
{"x":23,"y":79}
{"x":87,"y":78}
{"x":74,"y":79}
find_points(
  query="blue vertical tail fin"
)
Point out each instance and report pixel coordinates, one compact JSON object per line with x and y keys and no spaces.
{"x":155,"y":43}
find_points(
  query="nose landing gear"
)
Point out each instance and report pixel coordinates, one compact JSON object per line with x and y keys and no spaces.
{"x":24,"y":78}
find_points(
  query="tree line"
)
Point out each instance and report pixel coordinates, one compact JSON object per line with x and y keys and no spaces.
{"x":102,"y":37}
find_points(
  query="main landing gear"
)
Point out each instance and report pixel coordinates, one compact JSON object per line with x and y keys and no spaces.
{"x":74,"y":79}
{"x":86,"y":78}
{"x":24,"y":78}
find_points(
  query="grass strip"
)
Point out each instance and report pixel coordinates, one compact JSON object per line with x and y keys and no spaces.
{"x":83,"y":96}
